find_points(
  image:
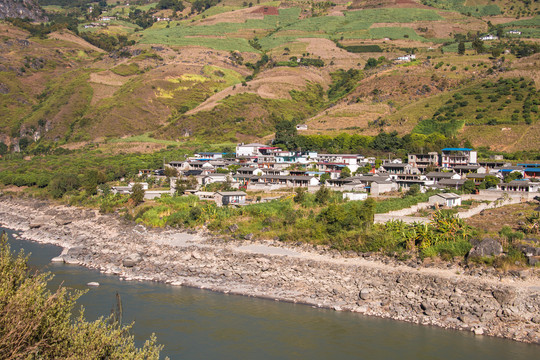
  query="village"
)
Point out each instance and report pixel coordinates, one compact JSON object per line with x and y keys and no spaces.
{"x":266,"y":169}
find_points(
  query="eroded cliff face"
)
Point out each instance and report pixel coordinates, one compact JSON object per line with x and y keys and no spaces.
{"x":21,"y":9}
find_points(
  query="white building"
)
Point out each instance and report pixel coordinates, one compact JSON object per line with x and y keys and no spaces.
{"x":445,"y":199}
{"x":248,"y":149}
{"x":489,"y":37}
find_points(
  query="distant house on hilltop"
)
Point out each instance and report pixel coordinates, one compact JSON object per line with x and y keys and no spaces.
{"x":489,"y":37}
{"x":406,"y":58}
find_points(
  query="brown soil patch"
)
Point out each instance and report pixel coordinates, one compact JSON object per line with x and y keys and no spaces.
{"x":328,"y":51}
{"x":493,"y":220}
{"x":66,"y":36}
{"x":266,"y":10}
{"x":503,"y":19}
{"x":101,"y":92}
{"x":236,"y":16}
{"x":373,"y":4}
{"x":437,"y":29}
{"x":508,"y":138}
{"x":347,"y":118}
{"x":108,"y":78}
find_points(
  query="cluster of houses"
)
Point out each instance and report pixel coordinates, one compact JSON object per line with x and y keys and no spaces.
{"x":259,"y":167}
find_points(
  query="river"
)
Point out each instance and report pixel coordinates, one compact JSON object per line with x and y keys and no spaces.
{"x":200,"y":324}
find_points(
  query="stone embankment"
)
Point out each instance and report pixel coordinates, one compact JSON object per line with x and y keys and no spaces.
{"x":449,"y":296}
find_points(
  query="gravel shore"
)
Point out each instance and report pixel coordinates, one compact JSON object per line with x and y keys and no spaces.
{"x":447,"y":295}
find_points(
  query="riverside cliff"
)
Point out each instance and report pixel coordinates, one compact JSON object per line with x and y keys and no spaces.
{"x":478,"y":300}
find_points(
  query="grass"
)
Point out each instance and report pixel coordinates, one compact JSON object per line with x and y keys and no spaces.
{"x":126,"y":69}
{"x":395,"y":33}
{"x":144,"y":138}
{"x":459,"y":6}
{"x":393,"y":204}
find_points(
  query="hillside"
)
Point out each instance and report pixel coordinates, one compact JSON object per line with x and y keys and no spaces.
{"x":231,"y":71}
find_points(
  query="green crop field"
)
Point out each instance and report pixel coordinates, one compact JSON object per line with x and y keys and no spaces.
{"x":287,"y":27}
{"x":535,"y":22}
{"x":459,"y":6}
{"x":395,"y":33}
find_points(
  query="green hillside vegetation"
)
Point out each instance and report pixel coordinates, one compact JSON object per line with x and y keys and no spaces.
{"x":246,"y":114}
{"x":126,"y":69}
{"x":63,"y":102}
{"x":505,"y":101}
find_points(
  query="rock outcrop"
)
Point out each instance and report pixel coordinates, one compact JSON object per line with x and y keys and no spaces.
{"x":21,"y":9}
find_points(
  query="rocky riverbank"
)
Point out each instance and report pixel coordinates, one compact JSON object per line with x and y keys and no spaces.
{"x":477,"y":300}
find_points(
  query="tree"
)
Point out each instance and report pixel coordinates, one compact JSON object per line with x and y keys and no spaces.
{"x":91,"y":180}
{"x":300,"y":195}
{"x":324,"y":177}
{"x":286,"y":134}
{"x":461,"y":48}
{"x":478,"y":45}
{"x":413,"y":190}
{"x":62,"y":183}
{"x":137,"y":194}
{"x":38,"y":324}
{"x":183,"y":184}
{"x":371,"y":63}
{"x":322,"y":196}
{"x":345,"y":172}
{"x":468,"y":187}
{"x":514,"y":175}
{"x":490,"y":181}
{"x":170,"y":171}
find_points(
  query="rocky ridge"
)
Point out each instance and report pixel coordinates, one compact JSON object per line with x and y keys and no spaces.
{"x":21,"y":9}
{"x":455,"y":298}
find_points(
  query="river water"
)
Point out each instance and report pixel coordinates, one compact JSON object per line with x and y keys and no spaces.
{"x":200,"y":324}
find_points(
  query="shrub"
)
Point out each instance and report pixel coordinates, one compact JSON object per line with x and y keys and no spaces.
{"x":137,"y":194}
{"x":63,"y":183}
{"x":35,"y":323}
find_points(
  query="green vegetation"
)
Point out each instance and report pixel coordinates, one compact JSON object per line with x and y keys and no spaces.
{"x":248,"y":114}
{"x":386,"y":142}
{"x":393,"y":204}
{"x":459,"y":5}
{"x":505,"y":101}
{"x":343,"y":82}
{"x":362,"y":48}
{"x":126,"y":69}
{"x":355,"y":24}
{"x":38,"y":323}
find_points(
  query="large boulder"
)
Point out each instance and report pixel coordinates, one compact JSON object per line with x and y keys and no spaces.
{"x":132,"y":260}
{"x":531,"y":249}
{"x":487,"y":247}
{"x":40,"y":221}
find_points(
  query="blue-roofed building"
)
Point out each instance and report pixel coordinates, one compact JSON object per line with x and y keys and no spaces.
{"x":531,"y":170}
{"x":457,"y":157}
